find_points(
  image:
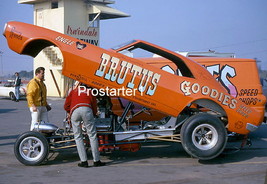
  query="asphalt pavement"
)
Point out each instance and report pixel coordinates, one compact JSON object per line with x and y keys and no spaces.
{"x":155,"y":163}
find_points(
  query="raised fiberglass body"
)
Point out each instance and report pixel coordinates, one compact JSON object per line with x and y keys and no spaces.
{"x":170,"y":94}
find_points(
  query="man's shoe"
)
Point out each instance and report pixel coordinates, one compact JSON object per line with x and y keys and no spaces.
{"x":83,"y":164}
{"x":99,"y":164}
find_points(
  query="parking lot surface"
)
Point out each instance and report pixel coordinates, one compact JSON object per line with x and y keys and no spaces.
{"x":159,"y":163}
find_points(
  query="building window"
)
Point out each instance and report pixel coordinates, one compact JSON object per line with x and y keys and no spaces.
{"x":94,"y":20}
{"x":54,"y":4}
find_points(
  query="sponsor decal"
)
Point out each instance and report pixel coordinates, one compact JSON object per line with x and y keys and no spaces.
{"x":250,"y":101}
{"x":144,"y":100}
{"x":244,"y":111}
{"x":187,"y":88}
{"x":248,"y":96}
{"x":80,"y":45}
{"x":248,"y":92}
{"x":239,"y":125}
{"x":64,"y":40}
{"x":15,"y":34}
{"x":110,"y":65}
{"x":99,"y":84}
{"x":78,"y":77}
{"x":224,"y":74}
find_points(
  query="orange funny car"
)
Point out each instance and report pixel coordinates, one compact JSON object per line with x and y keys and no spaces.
{"x":143,"y":98}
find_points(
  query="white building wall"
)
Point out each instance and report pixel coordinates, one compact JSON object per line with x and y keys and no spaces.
{"x":54,"y":87}
{"x":53,"y":19}
{"x":49,"y":18}
{"x":77,"y":15}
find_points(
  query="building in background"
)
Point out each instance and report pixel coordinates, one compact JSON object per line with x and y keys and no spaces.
{"x":76,"y":18}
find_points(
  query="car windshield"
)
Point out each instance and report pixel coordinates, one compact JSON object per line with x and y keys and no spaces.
{"x":9,"y":84}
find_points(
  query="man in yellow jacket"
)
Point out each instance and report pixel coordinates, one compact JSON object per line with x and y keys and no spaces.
{"x":36,"y":97}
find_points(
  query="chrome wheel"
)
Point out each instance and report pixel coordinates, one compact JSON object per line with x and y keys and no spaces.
{"x":31,"y":148}
{"x":205,"y":137}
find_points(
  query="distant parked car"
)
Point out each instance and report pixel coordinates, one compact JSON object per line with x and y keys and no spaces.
{"x":7,"y":89}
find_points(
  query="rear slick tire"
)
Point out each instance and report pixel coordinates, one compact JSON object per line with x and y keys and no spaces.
{"x":203,"y":136}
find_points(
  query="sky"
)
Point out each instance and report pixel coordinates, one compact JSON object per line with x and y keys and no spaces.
{"x":235,"y":26}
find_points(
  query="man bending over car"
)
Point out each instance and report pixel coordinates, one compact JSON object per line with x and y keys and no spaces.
{"x":81,"y":106}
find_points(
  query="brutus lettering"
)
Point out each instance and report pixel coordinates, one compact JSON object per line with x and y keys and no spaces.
{"x":115,"y":70}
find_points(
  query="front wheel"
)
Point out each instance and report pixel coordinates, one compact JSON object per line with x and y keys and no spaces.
{"x":31,"y":148}
{"x":203,"y":136}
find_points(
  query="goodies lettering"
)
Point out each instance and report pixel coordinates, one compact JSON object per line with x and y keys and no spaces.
{"x":187,"y":88}
{"x":149,"y":79}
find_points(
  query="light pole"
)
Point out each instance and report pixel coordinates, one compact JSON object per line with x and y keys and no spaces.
{"x":1,"y":54}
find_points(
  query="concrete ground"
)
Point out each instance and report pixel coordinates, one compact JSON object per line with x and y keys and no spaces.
{"x":159,"y":163}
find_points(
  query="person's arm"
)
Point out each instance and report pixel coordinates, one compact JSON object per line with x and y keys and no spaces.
{"x":68,"y":103}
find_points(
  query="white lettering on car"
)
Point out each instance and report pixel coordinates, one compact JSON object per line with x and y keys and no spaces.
{"x":114,"y":69}
{"x":187,"y":88}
